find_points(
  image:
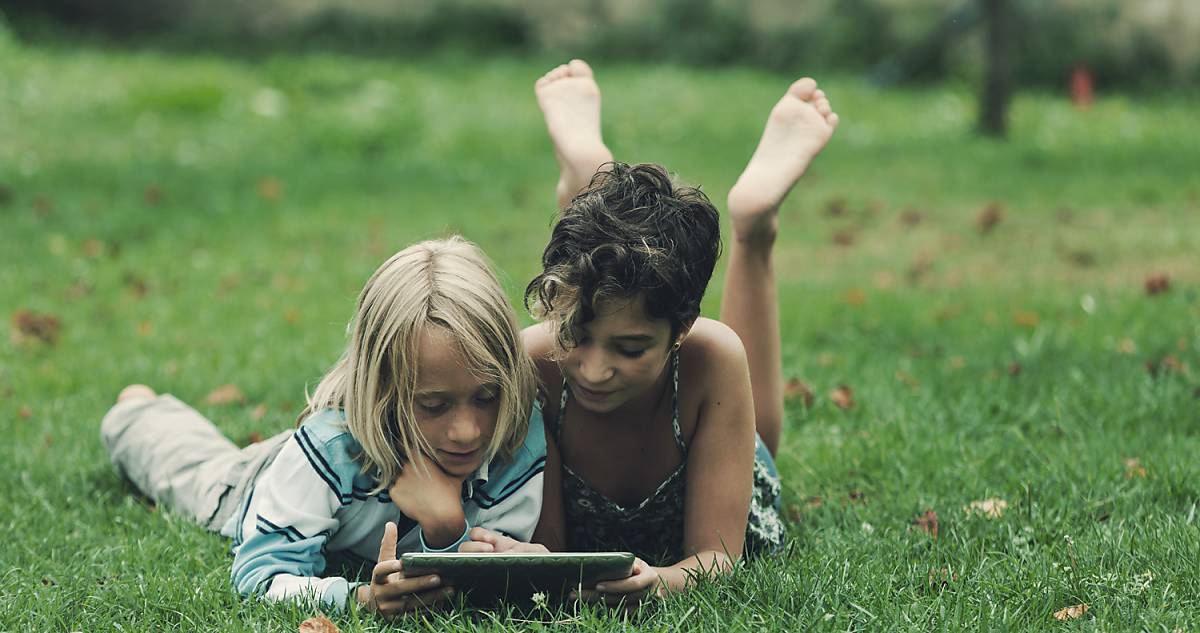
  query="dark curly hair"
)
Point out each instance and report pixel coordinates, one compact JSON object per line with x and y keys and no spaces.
{"x":631,"y":231}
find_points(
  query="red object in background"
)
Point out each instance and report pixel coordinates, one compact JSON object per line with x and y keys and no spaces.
{"x":1082,"y":88}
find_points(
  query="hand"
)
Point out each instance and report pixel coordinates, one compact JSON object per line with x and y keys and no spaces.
{"x":487,"y":541}
{"x":426,"y":493}
{"x":643,"y":583}
{"x":391,"y":593}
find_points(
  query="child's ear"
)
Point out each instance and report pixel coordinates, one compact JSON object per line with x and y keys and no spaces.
{"x":683,"y":332}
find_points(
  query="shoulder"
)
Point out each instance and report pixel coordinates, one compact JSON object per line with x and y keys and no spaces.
{"x":711,"y":351}
{"x":325,"y":441}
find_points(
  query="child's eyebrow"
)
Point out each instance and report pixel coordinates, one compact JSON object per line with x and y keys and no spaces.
{"x":635,"y":338}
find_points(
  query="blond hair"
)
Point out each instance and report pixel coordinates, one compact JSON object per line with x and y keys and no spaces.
{"x":437,"y":283}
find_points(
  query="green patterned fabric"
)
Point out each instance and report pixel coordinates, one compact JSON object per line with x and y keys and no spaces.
{"x":653,"y":529}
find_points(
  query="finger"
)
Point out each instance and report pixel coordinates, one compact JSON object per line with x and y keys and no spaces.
{"x":427,"y":599}
{"x":484,"y":535}
{"x":387,"y":546}
{"x":476,"y":547}
{"x":397,"y":585}
{"x":636,"y":582}
{"x":381,"y":572}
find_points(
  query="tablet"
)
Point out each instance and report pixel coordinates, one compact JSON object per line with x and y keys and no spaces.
{"x":488,"y":578}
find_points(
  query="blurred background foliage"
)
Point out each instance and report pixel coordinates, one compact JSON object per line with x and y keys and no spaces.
{"x":1124,"y":44}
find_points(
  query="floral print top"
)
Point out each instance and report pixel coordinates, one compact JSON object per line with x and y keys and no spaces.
{"x":653,"y":529}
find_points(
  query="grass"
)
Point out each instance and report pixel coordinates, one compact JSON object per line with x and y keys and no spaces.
{"x":196,"y":220}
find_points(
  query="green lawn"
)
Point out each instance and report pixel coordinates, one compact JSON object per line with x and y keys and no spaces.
{"x":196,"y":220}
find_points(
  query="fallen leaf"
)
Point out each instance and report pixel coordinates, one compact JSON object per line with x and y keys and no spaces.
{"x":225,"y":394}
{"x":1025,"y":318}
{"x":1126,"y":346}
{"x":28,"y":326}
{"x":1070,"y":613}
{"x":318,"y":624}
{"x":1134,"y":468}
{"x":835,"y":207}
{"x":145,"y":328}
{"x":291,"y":315}
{"x":845,"y":237}
{"x":992,"y":508}
{"x":153,"y":195}
{"x":1157,"y":283}
{"x":796,"y":388}
{"x":42,"y":206}
{"x":856,"y":296}
{"x":910,"y":217}
{"x":815,"y":502}
{"x":843,"y":397}
{"x":1168,"y":363}
{"x":991,"y":215}
{"x":884,"y":279}
{"x":258,"y":413}
{"x":25,"y":412}
{"x":270,"y":189}
{"x":927,"y":523}
{"x":793,"y":513}
{"x":93,"y":248}
{"x":135,"y":284}
{"x":1014,"y":369}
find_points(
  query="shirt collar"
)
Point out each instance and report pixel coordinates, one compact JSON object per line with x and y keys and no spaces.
{"x":479,"y":478}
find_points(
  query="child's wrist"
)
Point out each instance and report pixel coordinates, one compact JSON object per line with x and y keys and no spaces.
{"x":443,"y":532}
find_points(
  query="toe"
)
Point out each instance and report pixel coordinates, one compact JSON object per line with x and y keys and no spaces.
{"x":803,"y":89}
{"x":579,"y":68}
{"x":819,"y":94}
{"x":559,"y":72}
{"x":832,"y":120}
{"x":823,"y":107}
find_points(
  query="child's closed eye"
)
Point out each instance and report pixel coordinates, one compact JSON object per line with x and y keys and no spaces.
{"x":487,"y":395}
{"x":631,"y":353}
{"x":434,"y":407}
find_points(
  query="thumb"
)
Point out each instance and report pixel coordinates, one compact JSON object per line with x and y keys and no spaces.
{"x":387,"y":546}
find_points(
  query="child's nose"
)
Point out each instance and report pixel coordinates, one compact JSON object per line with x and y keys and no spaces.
{"x":594,"y":367}
{"x":466,"y":428}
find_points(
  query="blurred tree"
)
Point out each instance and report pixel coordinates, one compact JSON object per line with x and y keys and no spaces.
{"x":997,"y":80}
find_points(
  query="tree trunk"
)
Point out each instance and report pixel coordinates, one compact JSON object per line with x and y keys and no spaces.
{"x":997,"y":80}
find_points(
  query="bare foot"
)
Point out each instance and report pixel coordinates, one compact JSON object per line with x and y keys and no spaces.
{"x":570,"y":102}
{"x":797,"y":129}
{"x":136,"y":392}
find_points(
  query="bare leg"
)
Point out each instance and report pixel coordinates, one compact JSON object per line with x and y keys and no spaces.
{"x":796,"y":131}
{"x":570,"y":101}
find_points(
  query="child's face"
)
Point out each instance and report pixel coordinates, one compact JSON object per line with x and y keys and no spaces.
{"x":455,"y":411}
{"x":619,"y":355}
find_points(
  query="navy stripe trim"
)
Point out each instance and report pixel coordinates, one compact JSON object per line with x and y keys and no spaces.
{"x":287,"y":529}
{"x":320,"y":472}
{"x":313,"y":445}
{"x":484,"y":501}
{"x":238,"y":540}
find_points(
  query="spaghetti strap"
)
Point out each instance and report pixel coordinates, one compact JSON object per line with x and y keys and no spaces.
{"x":675,"y":404}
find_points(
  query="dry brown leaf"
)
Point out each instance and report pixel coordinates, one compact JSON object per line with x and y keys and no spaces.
{"x":270,"y":189}
{"x":1070,"y":613}
{"x":28,"y":326}
{"x":991,"y":216}
{"x":884,"y":279}
{"x":25,"y":412}
{"x":1167,"y":364}
{"x":835,"y":207}
{"x":941,"y":578}
{"x":845,"y":237}
{"x":1126,"y":346}
{"x":1014,"y":369}
{"x":815,"y":502}
{"x":796,"y":388}
{"x":259,"y":412}
{"x":910,"y":217}
{"x":318,"y":624}
{"x":1134,"y":468}
{"x":225,"y":394}
{"x":1025,"y":318}
{"x":145,"y":328}
{"x":856,"y":296}
{"x":153,"y":195}
{"x":92,"y":248}
{"x":843,"y":397}
{"x":291,"y":315}
{"x":254,"y":438}
{"x":927,"y":523}
{"x":1157,"y":283}
{"x":992,"y":508}
{"x":135,"y":285}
